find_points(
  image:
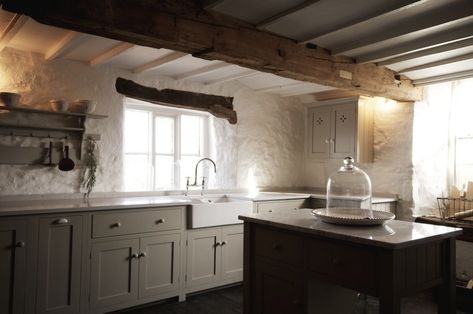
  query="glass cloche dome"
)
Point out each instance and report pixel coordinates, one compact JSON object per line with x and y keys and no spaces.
{"x":349,"y":190}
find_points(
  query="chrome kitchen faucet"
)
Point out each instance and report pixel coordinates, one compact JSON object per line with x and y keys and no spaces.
{"x":195,"y":176}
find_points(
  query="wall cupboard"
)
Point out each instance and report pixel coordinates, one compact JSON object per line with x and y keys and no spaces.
{"x":340,"y":128}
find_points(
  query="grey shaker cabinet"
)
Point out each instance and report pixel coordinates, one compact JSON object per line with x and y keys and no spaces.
{"x":214,"y":257}
{"x":340,"y":128}
{"x":59,"y":265}
{"x":12,"y":266}
{"x":159,"y":265}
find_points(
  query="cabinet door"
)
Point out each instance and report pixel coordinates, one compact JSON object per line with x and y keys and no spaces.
{"x":159,"y":265}
{"x":232,"y":253}
{"x":59,"y":264}
{"x":277,"y":289}
{"x":343,"y":130}
{"x":114,"y":272}
{"x":12,"y":266}
{"x":319,"y":132}
{"x":203,"y":257}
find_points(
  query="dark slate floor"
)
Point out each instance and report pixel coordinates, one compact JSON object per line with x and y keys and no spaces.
{"x":229,"y":301}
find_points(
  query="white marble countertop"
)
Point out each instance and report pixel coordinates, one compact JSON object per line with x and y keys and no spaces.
{"x":393,"y":234}
{"x":80,"y":205}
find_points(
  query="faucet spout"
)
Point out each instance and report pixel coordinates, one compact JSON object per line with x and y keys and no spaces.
{"x":197,"y":165}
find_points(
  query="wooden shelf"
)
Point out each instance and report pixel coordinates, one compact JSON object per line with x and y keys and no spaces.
{"x":41,"y":127}
{"x":59,"y":113}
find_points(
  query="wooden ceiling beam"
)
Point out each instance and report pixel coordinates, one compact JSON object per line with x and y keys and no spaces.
{"x":334,"y":94}
{"x":430,"y":65}
{"x":111,"y":53}
{"x":396,"y":7}
{"x":429,"y":51}
{"x":277,"y":17}
{"x":14,"y":26}
{"x":202,"y":71}
{"x":68,"y":42}
{"x":219,"y":106}
{"x":437,"y":39}
{"x":159,"y":62}
{"x":182,"y":25}
{"x":454,"y":14}
{"x":444,"y":78}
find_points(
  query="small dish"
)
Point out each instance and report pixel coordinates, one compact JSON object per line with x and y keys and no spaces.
{"x":58,"y":105}
{"x":82,"y":106}
{"x":9,"y":99}
{"x":345,"y":216}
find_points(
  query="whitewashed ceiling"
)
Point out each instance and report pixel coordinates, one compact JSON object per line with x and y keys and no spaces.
{"x":426,"y":40}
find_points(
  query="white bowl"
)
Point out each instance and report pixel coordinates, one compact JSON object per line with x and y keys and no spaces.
{"x":58,"y":105}
{"x":82,"y":106}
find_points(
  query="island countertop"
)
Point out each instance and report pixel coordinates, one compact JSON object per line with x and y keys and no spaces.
{"x":393,"y":234}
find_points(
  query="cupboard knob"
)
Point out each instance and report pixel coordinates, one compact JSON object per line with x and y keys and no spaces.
{"x":331,"y":140}
{"x":20,"y":244}
{"x":117,"y":225}
{"x":134,"y":255}
{"x":296,"y":302}
{"x":336,"y":261}
{"x":276,"y":246}
{"x":142,"y":254}
{"x":61,"y":221}
{"x":218,"y":244}
{"x":327,"y":140}
{"x":160,"y":221}
{"x":224,"y":242}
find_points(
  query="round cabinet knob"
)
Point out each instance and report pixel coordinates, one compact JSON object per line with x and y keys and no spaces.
{"x":61,"y":221}
{"x":327,"y":141}
{"x":117,"y":225}
{"x":336,"y":261}
{"x":270,"y":211}
{"x":20,"y":244}
{"x":218,"y":244}
{"x":331,"y":140}
{"x":160,"y":221}
{"x":134,"y":255}
{"x":224,"y":243}
{"x":276,"y":246}
{"x":142,"y":254}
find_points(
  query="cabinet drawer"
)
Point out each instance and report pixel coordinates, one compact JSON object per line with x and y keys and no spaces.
{"x":275,"y":206}
{"x":113,"y":224}
{"x":349,"y":264}
{"x":279,"y":246}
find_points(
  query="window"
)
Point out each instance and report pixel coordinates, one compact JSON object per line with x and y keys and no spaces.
{"x":161,"y":146}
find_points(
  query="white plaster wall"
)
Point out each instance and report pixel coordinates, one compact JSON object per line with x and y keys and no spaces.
{"x":391,"y":171}
{"x":268,"y":136}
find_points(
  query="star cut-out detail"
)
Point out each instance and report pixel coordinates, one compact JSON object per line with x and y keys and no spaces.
{"x":343,"y":118}
{"x":319,"y":120}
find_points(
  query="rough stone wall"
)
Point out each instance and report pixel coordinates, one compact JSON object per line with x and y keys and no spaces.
{"x":391,"y":171}
{"x":269,"y":135}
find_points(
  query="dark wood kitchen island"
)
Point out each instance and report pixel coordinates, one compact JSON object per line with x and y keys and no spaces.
{"x":284,"y":252}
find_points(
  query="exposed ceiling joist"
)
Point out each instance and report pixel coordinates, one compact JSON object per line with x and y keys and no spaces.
{"x":430,"y":41}
{"x":111,"y":53}
{"x":279,"y":88}
{"x":453,"y":15}
{"x":63,"y":44}
{"x":394,"y":8}
{"x":183,"y":26}
{"x":429,"y":65}
{"x":444,"y":78}
{"x":334,"y":94}
{"x":235,"y":76}
{"x":13,"y":27}
{"x":429,"y":51}
{"x":202,"y":71}
{"x":277,"y":17}
{"x":159,"y":62}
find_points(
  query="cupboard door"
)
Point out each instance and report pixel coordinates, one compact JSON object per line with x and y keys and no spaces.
{"x":343,"y":130}
{"x":12,"y":266}
{"x":159,"y":265}
{"x":277,"y":289}
{"x":114,"y":272}
{"x":232,"y":253}
{"x":203,"y":257}
{"x":319,"y":132}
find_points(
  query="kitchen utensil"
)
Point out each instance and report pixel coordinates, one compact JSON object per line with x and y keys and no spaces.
{"x":9,"y":99}
{"x":82,"y":106}
{"x":58,"y":105}
{"x":66,"y":164}
{"x":345,"y":216}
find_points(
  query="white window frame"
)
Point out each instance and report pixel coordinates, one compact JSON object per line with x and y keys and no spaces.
{"x":159,"y":110}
